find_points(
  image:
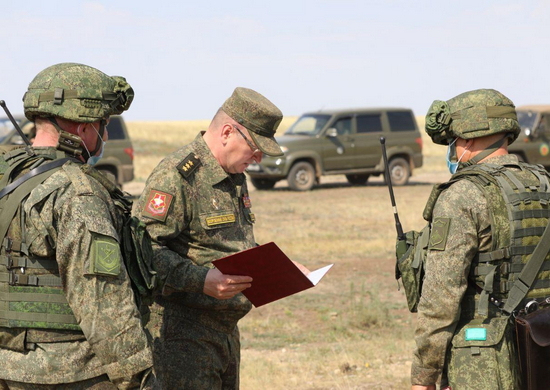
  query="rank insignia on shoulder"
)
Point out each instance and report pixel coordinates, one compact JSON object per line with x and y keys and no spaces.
{"x":246,"y":201}
{"x":189,"y":164}
{"x":157,"y":205}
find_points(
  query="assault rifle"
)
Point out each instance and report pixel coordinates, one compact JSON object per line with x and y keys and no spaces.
{"x":28,"y":147}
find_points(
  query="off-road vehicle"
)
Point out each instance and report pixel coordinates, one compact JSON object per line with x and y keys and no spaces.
{"x":533,"y":143}
{"x":117,"y":161}
{"x":335,"y":142}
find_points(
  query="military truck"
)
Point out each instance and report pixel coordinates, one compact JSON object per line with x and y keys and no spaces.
{"x":533,"y":143}
{"x":118,"y":158}
{"x":343,"y":142}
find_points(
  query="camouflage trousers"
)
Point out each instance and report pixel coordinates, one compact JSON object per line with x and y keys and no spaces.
{"x":98,"y":383}
{"x":189,"y":355}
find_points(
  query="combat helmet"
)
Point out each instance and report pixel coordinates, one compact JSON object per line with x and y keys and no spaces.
{"x":472,"y":114}
{"x":76,"y":92}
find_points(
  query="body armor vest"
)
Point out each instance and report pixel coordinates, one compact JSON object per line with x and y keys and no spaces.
{"x":31,"y":294}
{"x":519,"y":207}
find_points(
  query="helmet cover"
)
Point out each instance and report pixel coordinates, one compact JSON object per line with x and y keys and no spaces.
{"x":470,"y":115}
{"x":76,"y":92}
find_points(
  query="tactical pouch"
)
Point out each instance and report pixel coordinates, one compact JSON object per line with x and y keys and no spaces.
{"x":533,"y":342}
{"x":411,"y":253}
{"x":486,"y":362}
{"x":138,"y":258}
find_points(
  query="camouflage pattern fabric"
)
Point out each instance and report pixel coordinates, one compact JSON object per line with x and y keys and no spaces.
{"x":444,"y":312}
{"x":261,"y":117}
{"x":210,"y":359}
{"x":65,"y":216}
{"x":98,"y":383}
{"x":470,"y":115}
{"x":195,"y":213}
{"x":76,"y":92}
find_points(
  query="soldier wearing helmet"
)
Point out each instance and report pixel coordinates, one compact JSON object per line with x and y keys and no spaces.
{"x":67,"y":311}
{"x":480,"y":221}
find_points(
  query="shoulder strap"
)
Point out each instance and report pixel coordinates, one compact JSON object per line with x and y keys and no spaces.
{"x":529,"y":273}
{"x":11,"y":204}
{"x":36,"y":171}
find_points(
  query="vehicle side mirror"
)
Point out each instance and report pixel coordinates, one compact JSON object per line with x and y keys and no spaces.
{"x":332,"y":132}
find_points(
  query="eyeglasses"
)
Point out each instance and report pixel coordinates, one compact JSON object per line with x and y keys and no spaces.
{"x":252,"y":147}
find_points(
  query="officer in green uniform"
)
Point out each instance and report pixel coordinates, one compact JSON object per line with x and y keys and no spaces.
{"x":197,"y":209}
{"x":485,"y":223}
{"x":68,"y":318}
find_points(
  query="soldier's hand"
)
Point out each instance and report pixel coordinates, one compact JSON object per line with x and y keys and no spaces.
{"x":222,"y":286}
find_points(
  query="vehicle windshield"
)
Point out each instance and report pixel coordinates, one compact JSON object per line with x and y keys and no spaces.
{"x":6,"y":128}
{"x":308,"y":124}
{"x":526,"y":120}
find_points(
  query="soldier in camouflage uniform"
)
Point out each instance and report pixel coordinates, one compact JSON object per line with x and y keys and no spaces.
{"x":68,"y":318}
{"x":197,"y":209}
{"x":463,"y":336}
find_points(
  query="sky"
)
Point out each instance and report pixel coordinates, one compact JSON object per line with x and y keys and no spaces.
{"x":184,"y":58}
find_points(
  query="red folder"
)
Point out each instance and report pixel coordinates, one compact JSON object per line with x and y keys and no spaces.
{"x":274,"y":275}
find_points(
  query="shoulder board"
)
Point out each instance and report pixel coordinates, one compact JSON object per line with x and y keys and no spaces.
{"x":188,"y":165}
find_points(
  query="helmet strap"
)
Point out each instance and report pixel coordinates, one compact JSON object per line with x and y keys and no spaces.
{"x":487,"y":152}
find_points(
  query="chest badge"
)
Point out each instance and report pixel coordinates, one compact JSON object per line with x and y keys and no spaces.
{"x":246,"y":201}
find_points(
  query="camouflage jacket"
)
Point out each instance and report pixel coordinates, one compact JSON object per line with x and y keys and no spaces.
{"x":71,"y":218}
{"x":195,"y":213}
{"x":447,"y":304}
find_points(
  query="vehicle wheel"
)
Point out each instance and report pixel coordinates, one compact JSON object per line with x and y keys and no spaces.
{"x":357,"y":180}
{"x":263,"y":184}
{"x":400,"y":171}
{"x":301,"y":176}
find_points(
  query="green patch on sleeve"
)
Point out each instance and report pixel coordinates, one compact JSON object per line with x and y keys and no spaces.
{"x":439,"y":233}
{"x":106,"y":257}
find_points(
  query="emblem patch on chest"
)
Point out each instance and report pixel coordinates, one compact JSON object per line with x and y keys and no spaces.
{"x":246,"y":201}
{"x":157,"y":205}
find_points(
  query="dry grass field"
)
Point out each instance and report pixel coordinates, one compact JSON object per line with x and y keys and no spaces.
{"x":353,"y":330}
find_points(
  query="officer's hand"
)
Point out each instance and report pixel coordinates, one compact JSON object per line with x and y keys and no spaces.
{"x":220,"y":286}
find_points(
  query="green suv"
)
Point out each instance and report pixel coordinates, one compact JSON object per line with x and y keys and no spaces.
{"x":343,"y":142}
{"x":533,"y":143}
{"x":118,"y":158}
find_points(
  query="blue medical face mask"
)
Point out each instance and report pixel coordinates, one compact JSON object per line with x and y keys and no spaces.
{"x":92,"y":160}
{"x":451,"y":152}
